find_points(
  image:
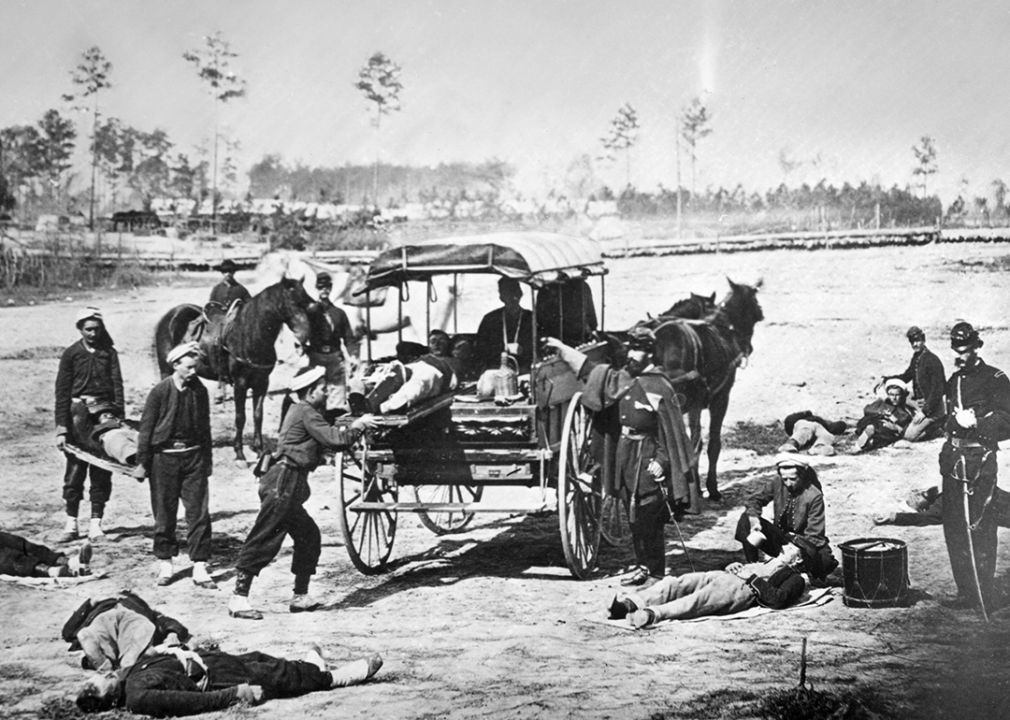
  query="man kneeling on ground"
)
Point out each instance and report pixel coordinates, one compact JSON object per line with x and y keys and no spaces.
{"x":776,"y":583}
{"x":186,"y":682}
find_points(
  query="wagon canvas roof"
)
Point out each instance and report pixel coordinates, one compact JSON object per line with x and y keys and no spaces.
{"x":538,"y":258}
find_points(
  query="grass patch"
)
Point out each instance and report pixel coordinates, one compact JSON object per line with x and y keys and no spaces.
{"x":792,"y":704}
{"x":762,"y":439}
{"x":45,"y":352}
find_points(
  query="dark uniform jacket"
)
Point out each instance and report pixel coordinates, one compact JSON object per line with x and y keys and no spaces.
{"x":330,"y":326}
{"x":226,"y":293}
{"x":926,"y":374}
{"x":607,"y":388}
{"x":806,"y":516}
{"x":782,"y":589}
{"x":158,"y":423}
{"x":986,"y":390}
{"x":490,"y":342}
{"x":87,"y":373}
{"x":305,"y":434}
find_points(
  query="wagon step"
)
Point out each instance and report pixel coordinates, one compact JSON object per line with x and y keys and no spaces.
{"x":449,"y":507}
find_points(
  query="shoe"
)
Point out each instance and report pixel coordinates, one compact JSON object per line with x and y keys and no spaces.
{"x":643,"y":618}
{"x":239,"y":607}
{"x":356,"y":672}
{"x":315,"y":656}
{"x":303,"y":603}
{"x":166,"y":573}
{"x":789,"y":447}
{"x":79,"y":565}
{"x":620,"y":607}
{"x":95,"y":529}
{"x":70,"y":532}
{"x":823,"y":450}
{"x":639,"y":577}
{"x":201,"y":578}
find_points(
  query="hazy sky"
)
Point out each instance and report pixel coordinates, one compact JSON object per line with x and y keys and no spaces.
{"x":852,"y":85}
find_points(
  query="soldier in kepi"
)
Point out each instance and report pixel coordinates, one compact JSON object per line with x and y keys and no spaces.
{"x":978,"y":417}
{"x":639,"y":417}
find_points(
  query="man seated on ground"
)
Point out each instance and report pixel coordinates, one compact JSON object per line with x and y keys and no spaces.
{"x":115,"y":632}
{"x":416,"y":375}
{"x":884,"y":420}
{"x":22,"y":558}
{"x":798,"y":519}
{"x":775,"y":583}
{"x":187,"y":682}
{"x":926,"y":375}
{"x":809,"y":432}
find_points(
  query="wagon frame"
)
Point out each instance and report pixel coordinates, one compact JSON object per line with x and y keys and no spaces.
{"x":543,"y":440}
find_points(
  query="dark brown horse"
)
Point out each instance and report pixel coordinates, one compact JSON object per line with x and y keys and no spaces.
{"x":713,"y":347}
{"x":249,"y":344}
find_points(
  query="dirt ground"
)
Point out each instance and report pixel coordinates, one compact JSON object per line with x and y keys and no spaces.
{"x":489,"y":623}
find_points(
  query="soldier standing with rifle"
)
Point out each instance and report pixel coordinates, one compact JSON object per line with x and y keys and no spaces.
{"x":978,"y":417}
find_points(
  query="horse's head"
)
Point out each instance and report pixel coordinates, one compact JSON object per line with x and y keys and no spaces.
{"x":294,"y":302}
{"x":743,"y":311}
{"x":694,"y":307}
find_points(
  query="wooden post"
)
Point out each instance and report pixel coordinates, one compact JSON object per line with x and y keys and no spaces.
{"x":803,"y":664}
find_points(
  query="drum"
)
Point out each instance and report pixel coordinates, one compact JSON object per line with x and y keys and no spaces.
{"x":874,"y":572}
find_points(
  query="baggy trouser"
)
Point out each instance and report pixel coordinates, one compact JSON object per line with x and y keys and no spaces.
{"x":23,"y":558}
{"x":179,"y":477}
{"x":970,"y":470}
{"x":283,"y":490}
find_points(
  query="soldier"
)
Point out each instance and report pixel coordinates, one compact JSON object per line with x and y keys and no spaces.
{"x":174,"y":448}
{"x":978,"y":417}
{"x":651,"y":461}
{"x":283,"y":490}
{"x":89,"y":376}
{"x":229,"y":289}
{"x":331,"y":336}
{"x":925,"y":373}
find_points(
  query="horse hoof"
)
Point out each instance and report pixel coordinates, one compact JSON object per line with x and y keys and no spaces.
{"x":715,"y":496}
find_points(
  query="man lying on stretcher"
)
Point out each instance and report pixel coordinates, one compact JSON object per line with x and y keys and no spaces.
{"x":413,"y":377}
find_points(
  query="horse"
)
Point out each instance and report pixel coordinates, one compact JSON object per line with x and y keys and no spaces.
{"x":248,"y":344}
{"x":693,"y":307}
{"x":713,"y":348}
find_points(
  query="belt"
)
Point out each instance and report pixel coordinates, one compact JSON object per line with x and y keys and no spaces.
{"x":325,"y":349}
{"x":964,"y":443}
{"x":86,"y":399}
{"x":634,"y":434}
{"x":177,"y":447}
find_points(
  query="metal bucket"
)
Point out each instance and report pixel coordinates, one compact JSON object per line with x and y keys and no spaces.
{"x":874,"y":572}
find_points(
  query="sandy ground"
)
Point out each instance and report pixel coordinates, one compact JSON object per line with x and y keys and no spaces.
{"x":489,"y":623}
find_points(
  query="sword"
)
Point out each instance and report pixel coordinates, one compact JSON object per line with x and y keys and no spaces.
{"x":971,"y":550}
{"x":967,"y":517}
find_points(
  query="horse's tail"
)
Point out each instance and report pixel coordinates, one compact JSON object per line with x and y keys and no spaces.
{"x":169,"y":332}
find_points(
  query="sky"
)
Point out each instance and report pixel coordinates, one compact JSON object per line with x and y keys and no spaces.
{"x":845,"y":88}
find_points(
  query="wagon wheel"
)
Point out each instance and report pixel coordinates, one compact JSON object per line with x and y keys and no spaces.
{"x":614,"y":522}
{"x":368,"y":535}
{"x":445,"y":522}
{"x":579,"y":493}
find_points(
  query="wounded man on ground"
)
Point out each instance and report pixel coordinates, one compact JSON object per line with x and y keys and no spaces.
{"x":776,"y":583}
{"x":187,"y":682}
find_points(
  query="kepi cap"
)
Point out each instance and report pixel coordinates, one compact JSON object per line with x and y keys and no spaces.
{"x":915,"y":333}
{"x":227,"y":265}
{"x":324,"y":280}
{"x":964,"y":337}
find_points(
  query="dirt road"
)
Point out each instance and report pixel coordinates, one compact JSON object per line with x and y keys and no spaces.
{"x":489,"y":623}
